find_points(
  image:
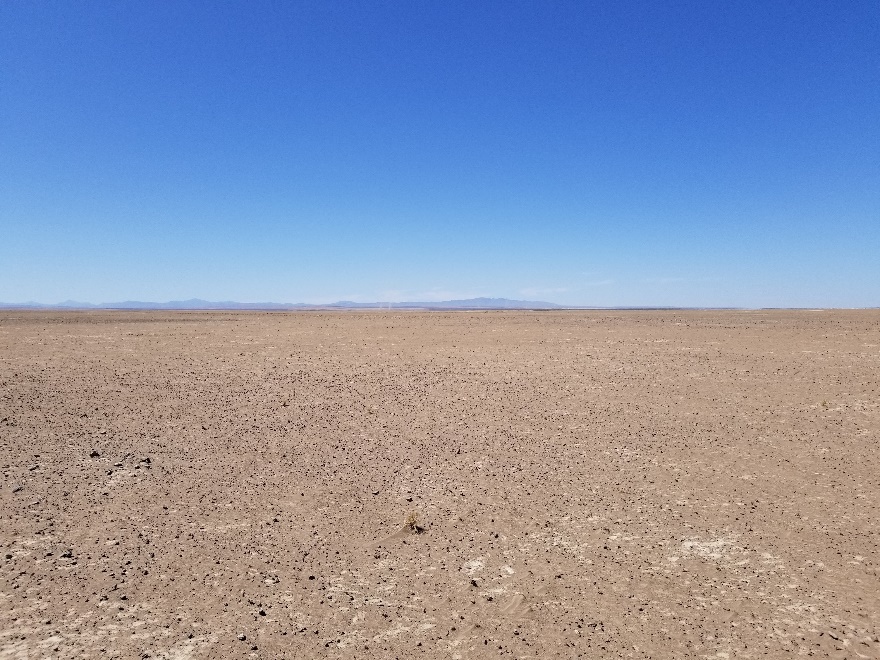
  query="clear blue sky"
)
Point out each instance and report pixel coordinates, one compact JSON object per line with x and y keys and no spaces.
{"x":597,"y":153}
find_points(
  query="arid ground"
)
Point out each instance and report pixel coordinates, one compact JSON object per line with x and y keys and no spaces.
{"x":578,"y":484}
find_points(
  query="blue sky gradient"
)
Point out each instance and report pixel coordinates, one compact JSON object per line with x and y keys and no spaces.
{"x":593,"y":153}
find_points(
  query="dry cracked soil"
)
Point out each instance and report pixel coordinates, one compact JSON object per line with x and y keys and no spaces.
{"x":670,"y":484}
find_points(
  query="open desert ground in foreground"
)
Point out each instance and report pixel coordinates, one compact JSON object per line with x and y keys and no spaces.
{"x":577,"y":484}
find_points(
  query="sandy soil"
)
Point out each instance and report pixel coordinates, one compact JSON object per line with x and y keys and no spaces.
{"x":597,"y":485}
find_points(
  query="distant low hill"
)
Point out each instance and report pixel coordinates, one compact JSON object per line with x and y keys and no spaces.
{"x":193,"y":303}
{"x":471,"y":303}
{"x":197,"y":304}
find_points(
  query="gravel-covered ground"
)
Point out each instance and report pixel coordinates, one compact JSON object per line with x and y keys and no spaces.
{"x":442,"y":485}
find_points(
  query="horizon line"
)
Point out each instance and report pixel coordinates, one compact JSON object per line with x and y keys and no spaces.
{"x":481,"y":303}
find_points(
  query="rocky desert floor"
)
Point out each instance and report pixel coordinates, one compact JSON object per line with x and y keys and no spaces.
{"x":442,"y":485}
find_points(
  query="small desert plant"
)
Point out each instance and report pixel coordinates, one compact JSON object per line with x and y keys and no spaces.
{"x":412,"y":523}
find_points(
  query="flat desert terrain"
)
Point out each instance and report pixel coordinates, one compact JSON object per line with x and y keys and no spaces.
{"x":442,"y":485}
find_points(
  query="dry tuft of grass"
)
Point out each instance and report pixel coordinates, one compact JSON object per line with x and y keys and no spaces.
{"x":412,"y":523}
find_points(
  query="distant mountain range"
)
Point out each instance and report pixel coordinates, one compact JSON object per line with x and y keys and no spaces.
{"x":197,"y":304}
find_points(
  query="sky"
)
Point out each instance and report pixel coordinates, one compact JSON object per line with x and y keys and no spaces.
{"x":608,"y":153}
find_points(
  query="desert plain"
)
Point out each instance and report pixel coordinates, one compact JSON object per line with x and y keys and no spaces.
{"x":574,"y":484}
